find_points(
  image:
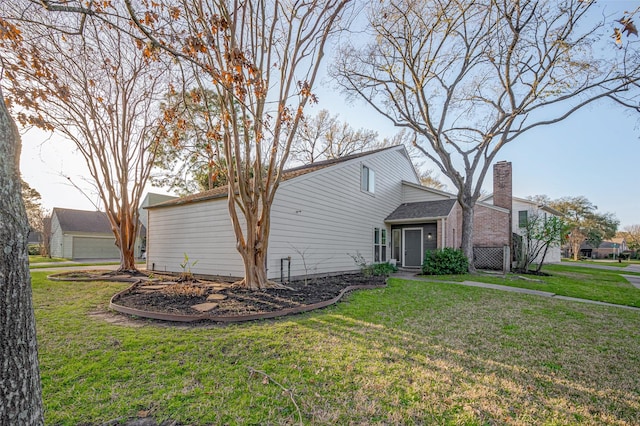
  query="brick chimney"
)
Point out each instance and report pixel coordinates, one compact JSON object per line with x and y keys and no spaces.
{"x":503,"y":197}
{"x":502,"y":188}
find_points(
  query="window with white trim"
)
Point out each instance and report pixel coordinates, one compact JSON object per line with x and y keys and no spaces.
{"x":367,"y":180}
{"x":379,"y":244}
{"x":522,"y":218}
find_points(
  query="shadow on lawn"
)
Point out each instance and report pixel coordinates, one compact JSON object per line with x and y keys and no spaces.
{"x":451,"y":374}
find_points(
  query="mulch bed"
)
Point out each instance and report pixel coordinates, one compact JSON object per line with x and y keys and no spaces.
{"x":234,"y":301}
{"x":219,"y":299}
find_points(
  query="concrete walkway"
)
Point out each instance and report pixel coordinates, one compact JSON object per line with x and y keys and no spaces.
{"x":634,"y":280}
{"x":412,"y":276}
{"x":634,"y":267}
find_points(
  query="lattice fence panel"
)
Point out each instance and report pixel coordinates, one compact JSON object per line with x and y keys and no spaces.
{"x":489,"y":258}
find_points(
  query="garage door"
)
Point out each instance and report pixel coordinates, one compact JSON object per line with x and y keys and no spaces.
{"x":95,"y":248}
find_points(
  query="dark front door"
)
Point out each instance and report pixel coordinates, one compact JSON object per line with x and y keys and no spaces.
{"x":412,"y":247}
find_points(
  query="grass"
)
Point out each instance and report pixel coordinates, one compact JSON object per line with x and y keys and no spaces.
{"x":77,"y":264}
{"x":44,"y":259}
{"x":412,"y":353}
{"x":568,"y":280}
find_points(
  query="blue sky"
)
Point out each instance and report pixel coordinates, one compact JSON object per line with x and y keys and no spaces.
{"x":595,"y":153}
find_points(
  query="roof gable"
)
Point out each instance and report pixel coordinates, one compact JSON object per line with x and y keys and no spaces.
{"x":534,"y":204}
{"x":287,"y":175}
{"x":82,"y":221}
{"x":428,"y":189}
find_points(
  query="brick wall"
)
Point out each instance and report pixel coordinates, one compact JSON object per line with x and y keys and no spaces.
{"x":489,"y":228}
{"x":502,"y":185}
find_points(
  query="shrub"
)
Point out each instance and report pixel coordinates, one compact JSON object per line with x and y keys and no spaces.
{"x":34,"y":249}
{"x":373,"y":269}
{"x":383,"y":269}
{"x":444,"y":262}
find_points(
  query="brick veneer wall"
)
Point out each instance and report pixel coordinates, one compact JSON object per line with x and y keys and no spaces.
{"x":489,"y":228}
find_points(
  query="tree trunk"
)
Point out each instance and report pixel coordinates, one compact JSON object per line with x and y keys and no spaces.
{"x":467,"y":232}
{"x":252,"y":241}
{"x":544,"y":254}
{"x":20,"y":389}
{"x":125,"y":231}
{"x":128,"y":245}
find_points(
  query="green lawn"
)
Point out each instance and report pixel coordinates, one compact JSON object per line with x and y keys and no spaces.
{"x":567,"y":280}
{"x":43,"y":259}
{"x":412,"y":353}
{"x":76,"y":264}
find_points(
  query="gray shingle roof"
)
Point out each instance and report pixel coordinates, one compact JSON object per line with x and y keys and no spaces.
{"x":82,"y":221}
{"x":422,"y":210}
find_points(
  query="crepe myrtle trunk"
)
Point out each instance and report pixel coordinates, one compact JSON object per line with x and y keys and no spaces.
{"x":254,"y":250}
{"x":126,"y":242}
{"x":20,"y":389}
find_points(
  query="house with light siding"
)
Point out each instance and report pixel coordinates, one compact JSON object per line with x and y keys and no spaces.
{"x":323,"y":215}
{"x":81,"y":234}
{"x":523,"y":209}
{"x":84,"y":234}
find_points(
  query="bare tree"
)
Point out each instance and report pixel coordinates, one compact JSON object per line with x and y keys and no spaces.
{"x":20,"y":389}
{"x":98,"y":89}
{"x":325,"y":137}
{"x":428,"y":179}
{"x":262,"y":58}
{"x":468,"y":77}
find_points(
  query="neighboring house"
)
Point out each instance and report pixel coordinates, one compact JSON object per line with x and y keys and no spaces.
{"x":34,"y":237}
{"x":324,"y":214}
{"x":606,"y":250}
{"x":81,"y":234}
{"x":522,"y":210}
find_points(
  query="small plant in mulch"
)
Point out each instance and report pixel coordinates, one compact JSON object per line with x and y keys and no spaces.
{"x":184,"y":289}
{"x":186,"y":265}
{"x":381,"y":269}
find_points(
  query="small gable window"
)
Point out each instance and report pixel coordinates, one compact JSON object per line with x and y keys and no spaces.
{"x":522,"y":219}
{"x":367,"y":180}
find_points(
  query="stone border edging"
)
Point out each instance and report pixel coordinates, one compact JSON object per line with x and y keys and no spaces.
{"x":231,"y":318}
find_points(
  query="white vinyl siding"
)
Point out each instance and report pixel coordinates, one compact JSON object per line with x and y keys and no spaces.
{"x":56,"y":242}
{"x":325,"y":217}
{"x":201,"y":230}
{"x":319,"y":219}
{"x":527,"y":207}
{"x":411,"y":194}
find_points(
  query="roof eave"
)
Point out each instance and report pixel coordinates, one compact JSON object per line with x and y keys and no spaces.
{"x":414,"y":220}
